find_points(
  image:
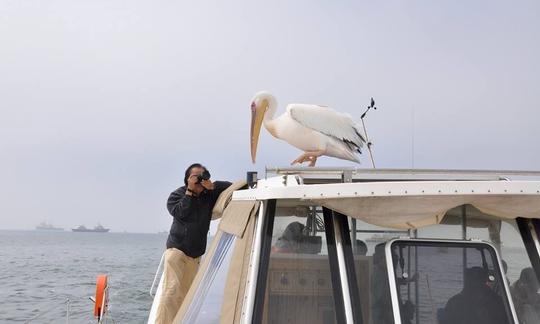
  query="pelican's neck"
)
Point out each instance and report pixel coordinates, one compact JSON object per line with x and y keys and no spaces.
{"x":268,"y":120}
{"x":272,"y":105}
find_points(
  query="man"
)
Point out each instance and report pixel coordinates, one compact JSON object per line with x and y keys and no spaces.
{"x":476,"y":303}
{"x":526,"y":298}
{"x":191,"y":207}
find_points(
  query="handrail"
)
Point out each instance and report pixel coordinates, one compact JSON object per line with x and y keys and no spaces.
{"x":335,"y":173}
{"x":158,"y":270}
{"x":290,"y":170}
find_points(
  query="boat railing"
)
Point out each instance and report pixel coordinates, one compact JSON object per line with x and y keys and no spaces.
{"x":159,"y":270}
{"x":312,"y":175}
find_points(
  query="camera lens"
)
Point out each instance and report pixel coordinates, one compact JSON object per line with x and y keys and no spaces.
{"x":203,"y":176}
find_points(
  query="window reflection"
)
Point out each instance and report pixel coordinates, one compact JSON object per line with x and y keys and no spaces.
{"x":503,"y":234}
{"x":299,"y":287}
{"x":526,"y":298}
{"x":370,"y":268}
{"x":381,"y":304}
{"x":209,"y":295}
{"x":518,"y":268}
{"x":449,"y":283}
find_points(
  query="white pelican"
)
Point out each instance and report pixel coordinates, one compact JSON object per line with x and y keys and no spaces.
{"x":316,"y":130}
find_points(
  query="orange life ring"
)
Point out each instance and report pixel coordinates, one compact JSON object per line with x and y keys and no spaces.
{"x":101,"y":296}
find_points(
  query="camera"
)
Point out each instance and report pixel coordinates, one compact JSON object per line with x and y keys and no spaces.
{"x":205,"y":175}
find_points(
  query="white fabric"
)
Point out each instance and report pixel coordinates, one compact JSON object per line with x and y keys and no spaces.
{"x":225,"y":198}
{"x":236,"y":216}
{"x":404,"y":212}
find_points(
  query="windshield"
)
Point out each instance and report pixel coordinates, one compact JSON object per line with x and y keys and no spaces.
{"x":448,"y":283}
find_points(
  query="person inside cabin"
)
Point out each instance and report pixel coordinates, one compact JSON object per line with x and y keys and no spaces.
{"x":290,"y":240}
{"x":477,"y":303}
{"x":191,"y":208}
{"x":361,"y":248}
{"x":526,"y":298}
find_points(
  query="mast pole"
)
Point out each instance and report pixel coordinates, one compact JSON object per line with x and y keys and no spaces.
{"x":368,"y":142}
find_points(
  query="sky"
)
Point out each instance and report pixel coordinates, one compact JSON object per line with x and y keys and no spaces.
{"x":104,"y":103}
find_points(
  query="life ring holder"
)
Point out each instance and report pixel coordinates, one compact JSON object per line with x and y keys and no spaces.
{"x":102,"y":297}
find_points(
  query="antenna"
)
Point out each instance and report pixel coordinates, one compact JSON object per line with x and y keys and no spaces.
{"x":371,"y":105}
{"x":412,"y":137}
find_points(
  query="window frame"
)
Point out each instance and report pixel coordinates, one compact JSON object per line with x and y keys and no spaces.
{"x":344,"y":235}
{"x":264,"y":260}
{"x":392,"y":281}
{"x":334,"y":238}
{"x":529,"y":230}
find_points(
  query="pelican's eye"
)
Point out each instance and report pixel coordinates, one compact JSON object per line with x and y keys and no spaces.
{"x":253,"y":106}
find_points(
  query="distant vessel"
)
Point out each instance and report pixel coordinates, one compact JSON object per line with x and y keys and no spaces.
{"x":44,"y":226}
{"x":97,"y":229}
{"x":378,"y":238}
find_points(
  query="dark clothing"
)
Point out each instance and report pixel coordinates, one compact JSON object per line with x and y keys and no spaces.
{"x":475,"y":306}
{"x":526,"y":298}
{"x":191,"y":218}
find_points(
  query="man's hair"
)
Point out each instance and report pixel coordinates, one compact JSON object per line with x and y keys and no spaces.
{"x":188,"y":171}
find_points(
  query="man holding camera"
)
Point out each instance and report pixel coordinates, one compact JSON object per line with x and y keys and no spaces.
{"x":191,"y":207}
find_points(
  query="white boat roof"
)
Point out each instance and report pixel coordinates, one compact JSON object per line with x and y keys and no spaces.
{"x":404,"y":198}
{"x":314,"y":183}
{"x":335,"y":174}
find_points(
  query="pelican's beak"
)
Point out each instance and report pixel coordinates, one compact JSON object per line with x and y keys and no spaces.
{"x":257,"y":116}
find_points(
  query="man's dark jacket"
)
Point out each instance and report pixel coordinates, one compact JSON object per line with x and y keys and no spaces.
{"x":191,"y":218}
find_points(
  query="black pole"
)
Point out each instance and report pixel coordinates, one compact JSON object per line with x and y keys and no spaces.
{"x":334,"y":266}
{"x":260,"y":291}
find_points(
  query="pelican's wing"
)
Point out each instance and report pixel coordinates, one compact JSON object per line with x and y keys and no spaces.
{"x":329,"y":122}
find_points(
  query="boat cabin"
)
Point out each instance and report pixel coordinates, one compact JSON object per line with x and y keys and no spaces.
{"x":326,"y":245}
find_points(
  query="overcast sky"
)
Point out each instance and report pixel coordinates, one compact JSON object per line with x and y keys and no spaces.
{"x":104,"y":103}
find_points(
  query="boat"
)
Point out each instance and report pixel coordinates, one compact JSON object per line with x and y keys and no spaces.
{"x":455,"y":224}
{"x":378,"y":238}
{"x":96,"y":229}
{"x":44,"y":226}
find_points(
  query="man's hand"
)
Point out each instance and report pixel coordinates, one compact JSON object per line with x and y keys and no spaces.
{"x":207,"y":184}
{"x":192,"y":182}
{"x":194,"y":188}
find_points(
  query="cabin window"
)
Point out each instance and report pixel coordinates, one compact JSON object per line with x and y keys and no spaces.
{"x":517,"y":266}
{"x":448,"y":283}
{"x":299,"y":286}
{"x":467,"y":222}
{"x":504,"y":235}
{"x":370,"y":267}
{"x":206,"y":303}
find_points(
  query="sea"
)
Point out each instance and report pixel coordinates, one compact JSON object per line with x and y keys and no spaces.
{"x":45,"y":276}
{"x":42,"y":274}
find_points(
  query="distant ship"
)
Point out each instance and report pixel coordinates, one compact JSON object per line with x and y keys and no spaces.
{"x":97,"y":229}
{"x":44,"y":226}
{"x":378,"y":238}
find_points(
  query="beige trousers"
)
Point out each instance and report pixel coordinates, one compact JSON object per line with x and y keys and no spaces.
{"x":178,"y":274}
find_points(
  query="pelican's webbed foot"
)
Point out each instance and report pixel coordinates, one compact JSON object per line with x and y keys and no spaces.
{"x":310,"y":156}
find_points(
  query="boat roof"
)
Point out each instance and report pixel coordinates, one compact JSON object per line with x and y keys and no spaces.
{"x":402,"y":199}
{"x":314,"y":183}
{"x":320,"y":175}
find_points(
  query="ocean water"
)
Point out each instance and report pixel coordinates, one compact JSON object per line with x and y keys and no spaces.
{"x":40,"y":271}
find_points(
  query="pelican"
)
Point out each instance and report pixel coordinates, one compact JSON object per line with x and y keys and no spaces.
{"x":316,"y":130}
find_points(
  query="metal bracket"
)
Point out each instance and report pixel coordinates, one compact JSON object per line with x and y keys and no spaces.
{"x":346,"y":176}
